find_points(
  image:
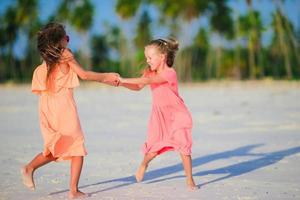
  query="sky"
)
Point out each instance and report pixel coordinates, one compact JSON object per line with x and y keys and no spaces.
{"x":105,"y":13}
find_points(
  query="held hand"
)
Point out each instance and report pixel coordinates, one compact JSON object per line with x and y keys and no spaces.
{"x":120,"y":81}
{"x":112,"y":79}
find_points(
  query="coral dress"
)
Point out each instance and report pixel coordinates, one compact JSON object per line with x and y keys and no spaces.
{"x":170,"y":123}
{"x":58,"y":116}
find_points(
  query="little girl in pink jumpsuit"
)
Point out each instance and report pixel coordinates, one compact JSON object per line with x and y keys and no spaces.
{"x":170,"y":123}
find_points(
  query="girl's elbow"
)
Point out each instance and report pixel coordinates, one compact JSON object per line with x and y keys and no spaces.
{"x":139,"y":87}
{"x":136,"y":89}
{"x":146,"y":82}
{"x":83,"y":77}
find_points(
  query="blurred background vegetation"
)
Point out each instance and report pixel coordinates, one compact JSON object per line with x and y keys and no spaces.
{"x":236,"y":51}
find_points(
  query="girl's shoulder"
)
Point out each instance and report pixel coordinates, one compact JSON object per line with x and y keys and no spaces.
{"x":41,"y":69}
{"x":66,"y":55}
{"x":169,"y":72}
{"x":39,"y":78}
{"x":148,"y":73}
{"x":169,"y":75}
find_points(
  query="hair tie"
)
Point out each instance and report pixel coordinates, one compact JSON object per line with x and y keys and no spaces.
{"x":163,"y":41}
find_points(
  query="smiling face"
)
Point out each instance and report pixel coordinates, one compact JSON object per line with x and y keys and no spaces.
{"x":154,"y":58}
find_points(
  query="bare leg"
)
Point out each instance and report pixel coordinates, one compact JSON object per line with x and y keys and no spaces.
{"x":139,"y":175}
{"x":187,"y":165}
{"x":76,"y":166}
{"x":28,"y":170}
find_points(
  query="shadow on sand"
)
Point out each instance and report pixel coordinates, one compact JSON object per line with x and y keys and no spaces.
{"x":261,"y":160}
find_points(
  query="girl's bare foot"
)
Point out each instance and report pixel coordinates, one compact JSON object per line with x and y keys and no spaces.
{"x":139,"y":175}
{"x":27,"y":177}
{"x":77,"y":194}
{"x":191,"y":185}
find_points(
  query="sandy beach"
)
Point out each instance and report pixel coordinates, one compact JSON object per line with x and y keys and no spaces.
{"x":246,"y":144}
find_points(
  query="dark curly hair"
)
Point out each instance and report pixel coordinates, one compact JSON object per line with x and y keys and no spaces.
{"x":49,"y":44}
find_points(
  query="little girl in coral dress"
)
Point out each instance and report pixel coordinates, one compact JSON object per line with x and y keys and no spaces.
{"x":170,"y":123}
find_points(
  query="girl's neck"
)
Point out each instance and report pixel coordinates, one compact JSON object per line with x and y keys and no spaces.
{"x":161,"y":68}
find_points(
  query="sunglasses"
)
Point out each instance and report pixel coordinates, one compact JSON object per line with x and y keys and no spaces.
{"x":67,"y":38}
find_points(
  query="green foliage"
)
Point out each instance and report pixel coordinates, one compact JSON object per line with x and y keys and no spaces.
{"x":127,"y":8}
{"x":82,"y":16}
{"x":244,"y":58}
{"x":99,"y":54}
{"x":221,"y":20}
{"x":143,"y":35}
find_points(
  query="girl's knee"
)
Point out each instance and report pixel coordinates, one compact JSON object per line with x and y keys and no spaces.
{"x":185,"y":156}
{"x":152,"y":154}
{"x":50,"y":157}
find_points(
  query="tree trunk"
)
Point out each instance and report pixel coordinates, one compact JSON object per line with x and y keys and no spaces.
{"x":290,"y":34}
{"x":218,"y":57}
{"x":283,"y":45}
{"x":237,"y":53}
{"x":11,"y":68}
{"x":208,"y":64}
{"x":260,"y":55}
{"x":251,"y":59}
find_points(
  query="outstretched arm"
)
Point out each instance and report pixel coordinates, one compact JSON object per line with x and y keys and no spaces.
{"x":109,"y":78}
{"x":131,"y":86}
{"x":143,"y":80}
{"x":90,"y":75}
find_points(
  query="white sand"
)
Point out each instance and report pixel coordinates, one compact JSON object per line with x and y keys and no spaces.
{"x":246,"y":144}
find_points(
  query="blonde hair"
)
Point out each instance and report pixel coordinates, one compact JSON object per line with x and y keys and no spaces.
{"x":169,"y":47}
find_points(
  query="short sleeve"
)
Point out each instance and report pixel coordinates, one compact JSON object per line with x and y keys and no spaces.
{"x":39,"y":79}
{"x":170,"y":76}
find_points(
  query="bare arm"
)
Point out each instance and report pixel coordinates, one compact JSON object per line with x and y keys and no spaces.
{"x":130,"y":86}
{"x":143,"y":80}
{"x":88,"y":75}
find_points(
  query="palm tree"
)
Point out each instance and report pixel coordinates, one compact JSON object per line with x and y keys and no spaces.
{"x":3,"y":43}
{"x":117,"y":41}
{"x":127,"y":8}
{"x":172,"y":11}
{"x":251,"y":36}
{"x":280,"y":38}
{"x":29,"y":24}
{"x":100,"y":53}
{"x":221,"y":24}
{"x":10,"y":28}
{"x":143,"y":36}
{"x":289,"y":32}
{"x":237,"y":51}
{"x":31,"y":59}
{"x":80,"y":16}
{"x":200,"y":55}
{"x":251,"y":27}
{"x":143,"y":31}
{"x":18,"y":19}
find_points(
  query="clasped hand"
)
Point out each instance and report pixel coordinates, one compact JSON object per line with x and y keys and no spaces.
{"x":112,"y":79}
